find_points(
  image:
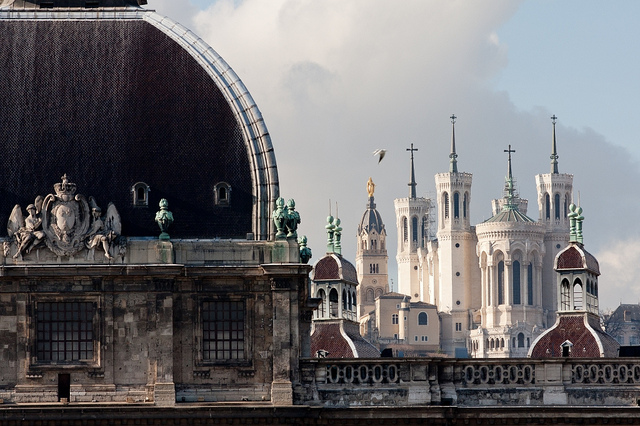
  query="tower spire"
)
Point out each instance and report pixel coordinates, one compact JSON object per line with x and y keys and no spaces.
{"x":554,"y":153}
{"x":509,"y":185}
{"x":412,"y":184}
{"x":453,"y":163}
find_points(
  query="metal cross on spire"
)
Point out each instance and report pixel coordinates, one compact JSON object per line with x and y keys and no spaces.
{"x":412,"y":184}
{"x":509,"y":185}
{"x":453,"y":163}
{"x":554,"y":153}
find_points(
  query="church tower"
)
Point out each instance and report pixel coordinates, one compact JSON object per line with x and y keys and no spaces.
{"x":412,"y":223}
{"x":371,"y":256}
{"x":458,"y":289}
{"x":510,"y":250}
{"x":555,"y":193}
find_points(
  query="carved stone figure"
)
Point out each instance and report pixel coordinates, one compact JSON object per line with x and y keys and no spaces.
{"x":164,"y":219}
{"x":279,"y":217}
{"x":29,"y":235}
{"x":64,"y":222}
{"x":292,"y":219}
{"x":105,"y":231}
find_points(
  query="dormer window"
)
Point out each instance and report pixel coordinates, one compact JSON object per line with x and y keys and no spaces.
{"x":222,"y":194}
{"x":140,"y":193}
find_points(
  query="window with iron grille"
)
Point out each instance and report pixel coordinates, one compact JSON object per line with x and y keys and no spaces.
{"x":223,"y":330}
{"x":64,"y":331}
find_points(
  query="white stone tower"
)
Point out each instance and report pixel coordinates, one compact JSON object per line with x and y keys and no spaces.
{"x":412,"y":223}
{"x":555,"y":193}
{"x":510,"y":250}
{"x":371,"y":256}
{"x":458,"y":289}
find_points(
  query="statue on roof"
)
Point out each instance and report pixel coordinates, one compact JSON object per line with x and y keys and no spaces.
{"x":370,"y":187}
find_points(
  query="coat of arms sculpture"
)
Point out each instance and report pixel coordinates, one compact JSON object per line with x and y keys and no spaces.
{"x":66,"y":223}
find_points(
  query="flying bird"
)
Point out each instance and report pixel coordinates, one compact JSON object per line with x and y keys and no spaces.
{"x":380,"y":153}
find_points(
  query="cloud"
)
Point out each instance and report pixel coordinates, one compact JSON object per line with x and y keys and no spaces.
{"x":620,"y":268}
{"x":337,"y":79}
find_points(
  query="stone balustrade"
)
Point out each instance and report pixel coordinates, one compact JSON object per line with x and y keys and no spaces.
{"x":469,"y":382}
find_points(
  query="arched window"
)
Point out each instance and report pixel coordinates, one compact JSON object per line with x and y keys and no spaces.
{"x":422,"y":318}
{"x":464,"y":204}
{"x":414,"y":230}
{"x":222,"y":194}
{"x":502,"y":343}
{"x":547,"y":204}
{"x":521,"y":340}
{"x":501,"y":283}
{"x":425,"y":228}
{"x":565,"y":295}
{"x":445,"y":201}
{"x":513,"y":342}
{"x":140,"y":193}
{"x":566,"y":205}
{"x":369,"y":296}
{"x":530,"y":284}
{"x":556,"y":206}
{"x":333,"y":302}
{"x":456,"y":205}
{"x":378,"y":292}
{"x":405,"y":229}
{"x":344,"y":300}
{"x":322,"y":308}
{"x":577,"y":295}
{"x":353,"y":298}
{"x":516,"y":282}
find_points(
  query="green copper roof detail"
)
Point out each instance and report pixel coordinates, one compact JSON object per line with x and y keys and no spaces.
{"x":510,"y":212}
{"x":554,"y":153}
{"x":453,"y":162}
{"x":575,"y":224}
{"x":330,"y":227}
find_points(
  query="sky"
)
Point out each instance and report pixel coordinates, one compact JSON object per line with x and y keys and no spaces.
{"x":337,"y":79}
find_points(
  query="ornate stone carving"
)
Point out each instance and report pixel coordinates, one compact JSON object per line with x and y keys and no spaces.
{"x":279,"y":217}
{"x":292,"y":220}
{"x":305,"y":252}
{"x":164,"y":219}
{"x":65,"y":222}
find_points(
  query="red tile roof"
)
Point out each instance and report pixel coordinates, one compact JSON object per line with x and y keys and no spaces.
{"x":583,"y":331}
{"x":334,"y":267}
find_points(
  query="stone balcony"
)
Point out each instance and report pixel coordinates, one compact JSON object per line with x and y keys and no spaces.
{"x":405,"y":382}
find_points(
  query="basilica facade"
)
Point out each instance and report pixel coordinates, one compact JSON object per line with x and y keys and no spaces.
{"x":493,"y":283}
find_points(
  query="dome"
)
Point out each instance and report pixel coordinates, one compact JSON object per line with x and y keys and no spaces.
{"x":576,"y":257}
{"x":371,"y":219}
{"x":123,"y":97}
{"x":334,"y":267}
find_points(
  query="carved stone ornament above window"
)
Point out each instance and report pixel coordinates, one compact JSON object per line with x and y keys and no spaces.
{"x":67,"y":223}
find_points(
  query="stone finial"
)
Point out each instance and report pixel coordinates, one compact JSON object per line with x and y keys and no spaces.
{"x":292,"y":219}
{"x":305,"y":252}
{"x":279,"y":217}
{"x":330,"y":227}
{"x":164,"y":219}
{"x":337,"y":235}
{"x":572,"y":223}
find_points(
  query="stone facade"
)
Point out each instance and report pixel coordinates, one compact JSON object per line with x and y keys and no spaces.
{"x":147,"y":322}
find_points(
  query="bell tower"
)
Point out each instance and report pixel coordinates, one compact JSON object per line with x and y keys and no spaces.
{"x":458,"y":289}
{"x":555,"y":194}
{"x":371,"y":256}
{"x":412,"y":223}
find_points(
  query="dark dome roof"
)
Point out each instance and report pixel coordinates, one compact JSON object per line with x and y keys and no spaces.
{"x":575,"y":256}
{"x":334,"y":267}
{"x":131,"y":98}
{"x":371,"y":219}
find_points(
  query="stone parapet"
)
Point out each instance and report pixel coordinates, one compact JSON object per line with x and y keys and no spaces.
{"x":468,"y":383}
